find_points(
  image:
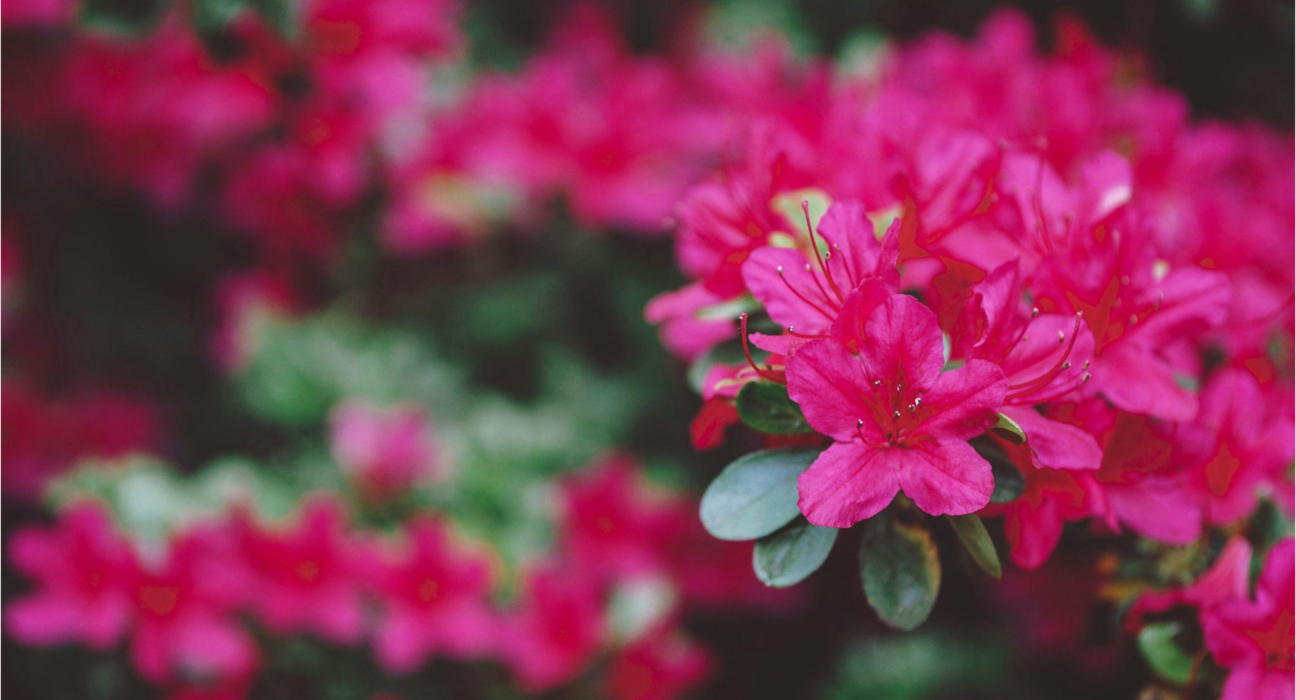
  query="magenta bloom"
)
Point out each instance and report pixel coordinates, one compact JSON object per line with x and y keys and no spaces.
{"x":434,"y":599}
{"x":1044,"y":356}
{"x":659,"y":666}
{"x":557,"y":631}
{"x":307,"y":578}
{"x":805,"y":291}
{"x":82,"y":571}
{"x":385,"y":451}
{"x":612,"y":523}
{"x":185,"y":625}
{"x":1251,"y":445}
{"x":1253,"y":637}
{"x":900,"y":424}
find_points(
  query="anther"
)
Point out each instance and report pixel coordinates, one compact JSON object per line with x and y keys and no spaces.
{"x":1061,"y":337}
{"x":896,"y":414}
{"x":877,"y":382}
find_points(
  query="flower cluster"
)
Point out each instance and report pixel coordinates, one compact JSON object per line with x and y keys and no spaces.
{"x":628,"y":561}
{"x":990,"y":288}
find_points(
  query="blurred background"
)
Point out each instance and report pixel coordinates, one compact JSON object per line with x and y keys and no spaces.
{"x":238,"y":241}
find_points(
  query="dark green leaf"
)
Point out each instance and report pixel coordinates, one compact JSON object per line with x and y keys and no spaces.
{"x":788,"y":556}
{"x":1009,"y":429}
{"x":900,"y":568}
{"x":1163,"y":654}
{"x":766,"y":407}
{"x":972,"y":533}
{"x":122,"y":17}
{"x":1008,"y":479}
{"x":755,"y":495}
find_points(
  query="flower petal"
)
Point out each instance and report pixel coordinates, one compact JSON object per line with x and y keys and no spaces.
{"x":1055,"y":444}
{"x":945,"y":478}
{"x":829,"y":385}
{"x":964,"y":403}
{"x":849,"y":482}
{"x":903,"y":343}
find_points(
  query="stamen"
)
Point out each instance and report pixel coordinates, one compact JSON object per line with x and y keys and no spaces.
{"x":805,"y":209}
{"x":831,"y":317}
{"x":1027,"y":387}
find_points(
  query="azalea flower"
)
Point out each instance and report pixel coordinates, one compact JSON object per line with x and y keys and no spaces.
{"x":899,"y":423}
{"x":805,"y":292}
{"x":83,"y":572}
{"x":1252,"y":636}
{"x":386,"y":452}
{"x":557,"y":630}
{"x":184,"y":624}
{"x":433,"y":597}
{"x":308,"y":578}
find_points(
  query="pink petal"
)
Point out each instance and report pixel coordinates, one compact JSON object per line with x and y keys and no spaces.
{"x":795,"y":296}
{"x":1033,"y":531}
{"x":856,"y":310}
{"x":947,"y":478}
{"x":1157,"y":508}
{"x":777,"y":344}
{"x":964,"y":403}
{"x":1137,"y":381}
{"x":856,"y":252}
{"x":1276,"y":578}
{"x":1055,"y":444}
{"x":849,"y":482}
{"x":903,"y":342}
{"x":829,"y":385}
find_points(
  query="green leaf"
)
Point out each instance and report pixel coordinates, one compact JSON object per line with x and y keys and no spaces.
{"x":756,"y":494}
{"x":900,"y":568}
{"x":1009,"y":482}
{"x":1009,"y":429}
{"x":788,"y":556}
{"x":121,"y":18}
{"x":1163,"y":654}
{"x":766,"y":407}
{"x":972,"y":533}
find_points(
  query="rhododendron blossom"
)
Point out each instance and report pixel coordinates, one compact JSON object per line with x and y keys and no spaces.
{"x":899,"y":422}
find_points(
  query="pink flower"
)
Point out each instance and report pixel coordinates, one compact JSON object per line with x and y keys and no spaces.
{"x":1251,"y":446}
{"x":433,"y":594}
{"x":184,"y":612}
{"x":659,"y":666}
{"x":804,"y":291}
{"x":82,"y":571}
{"x":1226,"y":579}
{"x":612,"y":525}
{"x":1253,"y":637}
{"x":308,"y":578}
{"x":683,"y":331}
{"x":43,"y":436}
{"x":386,"y":451}
{"x":899,"y":423}
{"x":556,"y":632}
{"x":1045,"y":358}
{"x":1051,"y":498}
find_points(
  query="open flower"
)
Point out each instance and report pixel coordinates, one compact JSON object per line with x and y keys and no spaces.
{"x":900,"y":424}
{"x":1253,"y":636}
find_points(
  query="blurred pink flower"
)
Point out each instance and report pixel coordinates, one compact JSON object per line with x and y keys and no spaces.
{"x":83,"y":572}
{"x":386,"y":451}
{"x":306,"y":579}
{"x":434,"y":598}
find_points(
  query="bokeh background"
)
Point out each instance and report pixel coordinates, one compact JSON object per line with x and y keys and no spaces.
{"x":163,"y":354}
